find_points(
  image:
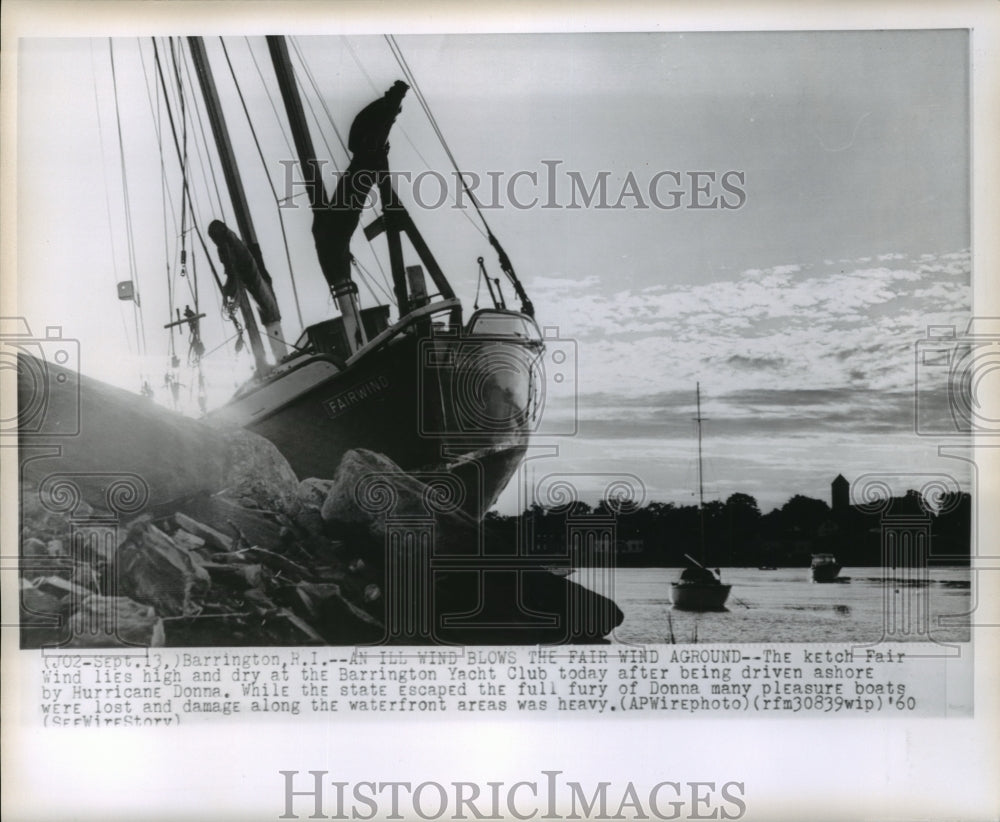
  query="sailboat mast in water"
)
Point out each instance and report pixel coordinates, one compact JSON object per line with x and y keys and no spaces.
{"x":701,"y":486}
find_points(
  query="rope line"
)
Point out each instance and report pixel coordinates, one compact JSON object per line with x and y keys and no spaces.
{"x":312,"y":111}
{"x":219,"y":201}
{"x":406,"y":134}
{"x":173,"y":131}
{"x":107,"y":200}
{"x":505,"y":263}
{"x":322,"y":101}
{"x":136,"y":302}
{"x":270,"y":98}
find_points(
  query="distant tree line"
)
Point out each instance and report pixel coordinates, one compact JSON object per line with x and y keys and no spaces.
{"x":736,"y":533}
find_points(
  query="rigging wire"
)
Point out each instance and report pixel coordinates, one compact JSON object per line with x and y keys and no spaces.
{"x":204,"y":140}
{"x":204,"y":160}
{"x":308,"y":72}
{"x":107,"y":200}
{"x":167,"y":200}
{"x":411,"y":78}
{"x":277,"y":116}
{"x":227,"y":310}
{"x":184,"y":172}
{"x":369,"y":280}
{"x":322,"y":101}
{"x":322,"y":133}
{"x":156,"y":116}
{"x":270,"y":98}
{"x":173,"y":131}
{"x":179,"y":227}
{"x":158,"y":122}
{"x":270,"y":182}
{"x":505,"y":263}
{"x":165,"y":197}
{"x":171,"y":379}
{"x":375,"y":90}
{"x":315,"y":87}
{"x":136,"y":303}
{"x":358,"y":63}
{"x":237,"y":335}
{"x":196,"y":347}
{"x":192,"y":192}
{"x":406,"y":134}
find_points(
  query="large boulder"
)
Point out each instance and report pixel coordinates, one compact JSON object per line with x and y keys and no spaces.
{"x":370,"y":491}
{"x":311,"y":495}
{"x":476,"y":601}
{"x":155,"y":570}
{"x":121,"y":452}
{"x":313,"y":491}
{"x":254,"y":468}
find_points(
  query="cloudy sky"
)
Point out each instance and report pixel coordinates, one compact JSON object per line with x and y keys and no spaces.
{"x":797,"y":311}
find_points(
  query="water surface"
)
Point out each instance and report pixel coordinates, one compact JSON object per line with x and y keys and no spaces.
{"x":784,"y":605}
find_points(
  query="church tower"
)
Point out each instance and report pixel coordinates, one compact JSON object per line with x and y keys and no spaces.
{"x":840,"y":494}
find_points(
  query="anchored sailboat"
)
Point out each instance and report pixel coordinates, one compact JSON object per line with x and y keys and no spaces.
{"x":699,"y":589}
{"x":432,"y":391}
{"x":824,"y":568}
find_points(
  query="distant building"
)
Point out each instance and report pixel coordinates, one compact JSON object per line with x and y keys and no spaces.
{"x":840,"y":494}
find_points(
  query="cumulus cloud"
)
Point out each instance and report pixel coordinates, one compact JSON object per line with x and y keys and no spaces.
{"x":846,"y":331}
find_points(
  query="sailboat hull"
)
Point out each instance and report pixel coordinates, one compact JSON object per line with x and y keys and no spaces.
{"x":825,"y":573}
{"x":700,"y":596}
{"x":699,"y":589}
{"x":458,"y":406}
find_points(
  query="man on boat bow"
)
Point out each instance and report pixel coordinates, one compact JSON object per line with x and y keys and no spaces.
{"x":368,"y":142}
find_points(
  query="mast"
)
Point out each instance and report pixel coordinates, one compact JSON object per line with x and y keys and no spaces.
{"x":342,"y":287}
{"x":701,"y":488}
{"x":236,"y":193}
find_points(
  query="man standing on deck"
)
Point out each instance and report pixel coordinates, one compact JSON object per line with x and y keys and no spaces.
{"x":368,"y":143}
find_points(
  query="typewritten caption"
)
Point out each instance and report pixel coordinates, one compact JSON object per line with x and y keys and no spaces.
{"x":171,"y":687}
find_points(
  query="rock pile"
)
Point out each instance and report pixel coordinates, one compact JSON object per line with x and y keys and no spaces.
{"x":270,"y":560}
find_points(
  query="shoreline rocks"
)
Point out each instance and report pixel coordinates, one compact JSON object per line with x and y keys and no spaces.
{"x":268,"y":559}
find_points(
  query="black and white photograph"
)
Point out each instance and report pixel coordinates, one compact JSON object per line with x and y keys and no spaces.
{"x":365,"y":375}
